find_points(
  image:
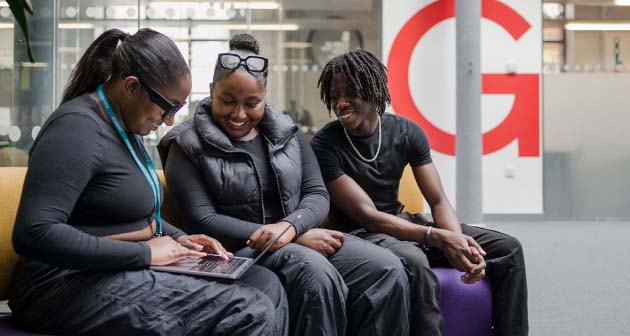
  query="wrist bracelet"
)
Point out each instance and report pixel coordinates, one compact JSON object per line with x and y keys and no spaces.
{"x":427,"y":236}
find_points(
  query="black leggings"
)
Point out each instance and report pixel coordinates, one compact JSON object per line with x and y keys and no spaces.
{"x":362,"y":289}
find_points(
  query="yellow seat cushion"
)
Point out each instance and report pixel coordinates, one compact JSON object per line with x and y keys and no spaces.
{"x":409,"y":194}
{"x":11,"y":182}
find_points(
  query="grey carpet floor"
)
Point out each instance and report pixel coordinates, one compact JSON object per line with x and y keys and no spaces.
{"x":578,"y":275}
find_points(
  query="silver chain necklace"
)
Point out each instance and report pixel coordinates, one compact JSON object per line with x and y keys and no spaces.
{"x":378,"y":149}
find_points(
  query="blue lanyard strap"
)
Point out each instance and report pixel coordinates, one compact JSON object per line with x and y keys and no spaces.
{"x":148,"y":170}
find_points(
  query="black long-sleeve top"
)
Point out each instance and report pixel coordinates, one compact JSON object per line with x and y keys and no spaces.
{"x":82,"y":183}
{"x":195,"y":204}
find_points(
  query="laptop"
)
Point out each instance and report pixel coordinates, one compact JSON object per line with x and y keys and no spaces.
{"x":214,"y":266}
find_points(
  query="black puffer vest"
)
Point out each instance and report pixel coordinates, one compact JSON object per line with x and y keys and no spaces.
{"x":229,"y":173}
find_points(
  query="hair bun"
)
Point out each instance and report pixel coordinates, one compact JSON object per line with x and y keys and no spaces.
{"x":244,"y":42}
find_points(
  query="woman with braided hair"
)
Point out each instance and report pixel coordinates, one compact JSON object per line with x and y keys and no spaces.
{"x":89,"y":224}
{"x":243,"y":172}
{"x":362,"y":155}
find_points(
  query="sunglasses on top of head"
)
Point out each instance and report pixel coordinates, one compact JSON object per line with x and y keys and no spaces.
{"x":156,"y":98}
{"x":251,"y":63}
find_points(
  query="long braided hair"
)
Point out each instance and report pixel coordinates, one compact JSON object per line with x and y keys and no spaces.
{"x":365,"y":74}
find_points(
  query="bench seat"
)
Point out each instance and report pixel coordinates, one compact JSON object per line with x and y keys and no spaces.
{"x":467,"y":309}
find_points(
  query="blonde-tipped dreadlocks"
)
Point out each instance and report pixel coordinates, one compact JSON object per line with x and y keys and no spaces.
{"x":365,"y":74}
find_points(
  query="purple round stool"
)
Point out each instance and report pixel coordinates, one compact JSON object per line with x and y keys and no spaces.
{"x":8,"y":329}
{"x":467,"y":309}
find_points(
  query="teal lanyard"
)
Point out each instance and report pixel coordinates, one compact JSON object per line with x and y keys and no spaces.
{"x":148,"y":170}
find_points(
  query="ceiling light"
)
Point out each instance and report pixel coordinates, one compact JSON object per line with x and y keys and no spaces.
{"x":297,"y":45}
{"x":76,"y":25}
{"x":622,"y":2}
{"x":260,"y":27}
{"x":598,"y":26}
{"x":235,"y":4}
{"x":283,"y":27}
{"x":6,"y":25}
{"x":34,"y":65}
{"x":256,"y":4}
{"x":4,"y":4}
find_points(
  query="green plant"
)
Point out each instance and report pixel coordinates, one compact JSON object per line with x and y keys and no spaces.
{"x":19,"y":8}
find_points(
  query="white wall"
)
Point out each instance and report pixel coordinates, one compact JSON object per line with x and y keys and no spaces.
{"x":587,"y":134}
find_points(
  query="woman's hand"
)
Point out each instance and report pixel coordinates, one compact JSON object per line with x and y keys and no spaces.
{"x":268,"y":232}
{"x":461,"y":251}
{"x":324,"y":241}
{"x":165,"y":250}
{"x":201,"y":242}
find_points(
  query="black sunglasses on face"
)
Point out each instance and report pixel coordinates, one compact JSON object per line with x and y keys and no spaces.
{"x":252,"y":63}
{"x":156,"y":98}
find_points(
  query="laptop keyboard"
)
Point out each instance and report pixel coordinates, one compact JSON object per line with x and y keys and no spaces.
{"x":216,"y":264}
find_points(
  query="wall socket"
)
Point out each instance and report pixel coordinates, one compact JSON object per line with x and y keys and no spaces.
{"x":511,"y":67}
{"x":509,"y":171}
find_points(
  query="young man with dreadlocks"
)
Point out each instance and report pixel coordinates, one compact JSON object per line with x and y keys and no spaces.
{"x":362,"y":156}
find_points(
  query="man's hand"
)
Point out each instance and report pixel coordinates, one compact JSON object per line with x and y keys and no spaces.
{"x":478,"y":272}
{"x":324,"y":241}
{"x":462,"y":252}
{"x":267,"y":233}
{"x":201,"y":242}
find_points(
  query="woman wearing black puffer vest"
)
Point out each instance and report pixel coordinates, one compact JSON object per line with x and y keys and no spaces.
{"x":243,"y":172}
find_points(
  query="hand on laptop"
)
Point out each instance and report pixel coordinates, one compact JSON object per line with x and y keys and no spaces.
{"x":201,"y":242}
{"x":324,"y":241}
{"x":267,"y":233}
{"x":165,"y":250}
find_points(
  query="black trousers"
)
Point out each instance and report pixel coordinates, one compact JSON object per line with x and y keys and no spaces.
{"x":46,"y":299}
{"x":505,"y":268}
{"x":362,"y":289}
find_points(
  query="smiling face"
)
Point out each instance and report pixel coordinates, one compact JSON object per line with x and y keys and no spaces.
{"x":356,"y":115}
{"x":238,"y":104}
{"x":141,"y":115}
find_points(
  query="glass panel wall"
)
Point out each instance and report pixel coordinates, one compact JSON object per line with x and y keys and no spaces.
{"x":26,"y":94}
{"x":298,"y":36}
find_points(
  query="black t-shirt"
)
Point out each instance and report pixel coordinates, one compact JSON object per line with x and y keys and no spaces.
{"x":403,"y":142}
{"x":257,"y":149}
